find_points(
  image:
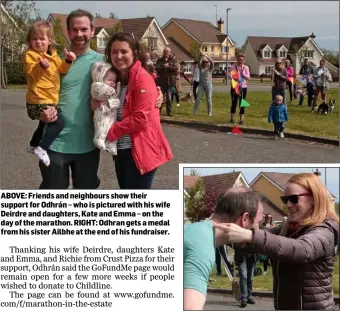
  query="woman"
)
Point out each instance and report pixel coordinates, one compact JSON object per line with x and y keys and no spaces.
{"x":206,"y":67}
{"x":279,"y":79}
{"x":142,"y":146}
{"x":244,"y":76}
{"x":290,"y":78}
{"x":303,"y":254}
{"x":266,"y":225}
{"x":322,"y":78}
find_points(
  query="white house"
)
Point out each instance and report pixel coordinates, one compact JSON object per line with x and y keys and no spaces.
{"x":262,"y":52}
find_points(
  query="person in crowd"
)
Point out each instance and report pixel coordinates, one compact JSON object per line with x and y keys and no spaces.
{"x":222,"y":252}
{"x":178,"y":88}
{"x":278,"y":115}
{"x":244,"y":76}
{"x":306,"y":71}
{"x":142,"y":146}
{"x":279,"y":80}
{"x":196,"y":78}
{"x":73,"y":149}
{"x":322,"y":78}
{"x":206,"y":67}
{"x":267,"y":225}
{"x":150,"y":67}
{"x":167,"y":69}
{"x":302,"y":250}
{"x":43,"y":66}
{"x":239,"y":205}
{"x":290,"y":79}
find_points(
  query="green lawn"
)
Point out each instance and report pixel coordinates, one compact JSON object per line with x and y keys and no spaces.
{"x":265,"y":282}
{"x":301,"y":120}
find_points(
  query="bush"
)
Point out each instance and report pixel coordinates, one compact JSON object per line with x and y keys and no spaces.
{"x":15,"y":73}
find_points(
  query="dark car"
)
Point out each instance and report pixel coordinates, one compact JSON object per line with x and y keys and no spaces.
{"x":218,"y":74}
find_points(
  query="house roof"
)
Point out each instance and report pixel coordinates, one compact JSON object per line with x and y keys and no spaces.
{"x":189,"y":182}
{"x":258,"y":43}
{"x":181,"y":53}
{"x":202,"y":31}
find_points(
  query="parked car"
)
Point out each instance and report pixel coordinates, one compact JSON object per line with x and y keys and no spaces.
{"x":218,"y":74}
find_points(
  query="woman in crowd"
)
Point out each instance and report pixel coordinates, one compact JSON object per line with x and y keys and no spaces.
{"x":290,"y":78}
{"x":303,"y":250}
{"x":267,"y":225}
{"x":244,"y":76}
{"x":322,"y":78}
{"x":279,"y":79}
{"x":142,"y":146}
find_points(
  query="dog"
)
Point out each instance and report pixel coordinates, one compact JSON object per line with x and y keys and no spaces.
{"x":325,"y":108}
{"x":186,"y":97}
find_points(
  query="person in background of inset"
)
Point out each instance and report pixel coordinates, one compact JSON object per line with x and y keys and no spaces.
{"x":279,"y":80}
{"x":244,"y":76}
{"x":206,"y":67}
{"x":196,"y":78}
{"x":322,"y":78}
{"x":267,"y":225}
{"x":290,"y":77}
{"x":302,"y":251}
{"x":278,"y":115}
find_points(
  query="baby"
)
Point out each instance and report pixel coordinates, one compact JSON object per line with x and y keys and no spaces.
{"x":103,"y":89}
{"x":278,"y":115}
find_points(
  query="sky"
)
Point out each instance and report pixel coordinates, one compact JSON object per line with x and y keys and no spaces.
{"x":332,"y":174}
{"x":247,"y":18}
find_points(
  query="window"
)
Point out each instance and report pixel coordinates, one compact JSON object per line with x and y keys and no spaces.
{"x":282,"y":54}
{"x":152,"y":44}
{"x":187,"y":68}
{"x":267,"y":54}
{"x":225,"y":49}
{"x":309,"y":54}
{"x":212,"y":49}
{"x":268,"y":70}
{"x":205,"y":48}
{"x":101,"y":43}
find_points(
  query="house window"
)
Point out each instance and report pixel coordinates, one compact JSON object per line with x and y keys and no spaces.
{"x":309,"y":54}
{"x":212,"y":49}
{"x":267,"y":54}
{"x":205,"y":48}
{"x":282,"y":54}
{"x":152,"y":44}
{"x":225,"y":49}
{"x":268,"y":70}
{"x":101,"y":42}
{"x":187,"y":68}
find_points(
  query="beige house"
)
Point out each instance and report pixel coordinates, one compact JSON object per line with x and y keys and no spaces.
{"x":186,"y":36}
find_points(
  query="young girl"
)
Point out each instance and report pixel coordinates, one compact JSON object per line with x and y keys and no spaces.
{"x":43,"y":67}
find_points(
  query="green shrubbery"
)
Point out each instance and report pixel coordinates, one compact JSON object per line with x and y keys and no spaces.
{"x":15,"y":73}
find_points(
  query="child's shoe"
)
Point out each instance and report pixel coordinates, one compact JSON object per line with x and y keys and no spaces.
{"x":281,"y":135}
{"x":30,"y":149}
{"x":42,"y":155}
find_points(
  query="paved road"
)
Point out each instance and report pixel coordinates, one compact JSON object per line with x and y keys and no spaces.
{"x":19,"y":170}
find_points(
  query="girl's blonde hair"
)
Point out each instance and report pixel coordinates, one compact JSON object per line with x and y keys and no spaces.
{"x":44,"y":28}
{"x":323,"y":207}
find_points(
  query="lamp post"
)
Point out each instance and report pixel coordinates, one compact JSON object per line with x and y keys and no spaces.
{"x":227,"y":48}
{"x":216,"y":13}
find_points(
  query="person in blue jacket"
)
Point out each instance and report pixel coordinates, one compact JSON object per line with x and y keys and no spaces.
{"x":278,"y":115}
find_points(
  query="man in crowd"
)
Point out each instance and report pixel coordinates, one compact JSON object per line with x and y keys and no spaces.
{"x":238,"y":205}
{"x":167,"y":69}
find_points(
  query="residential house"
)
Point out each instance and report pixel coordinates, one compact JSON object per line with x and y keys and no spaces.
{"x":262,"y":52}
{"x":146,"y":30}
{"x":271,"y":185}
{"x":186,"y":36}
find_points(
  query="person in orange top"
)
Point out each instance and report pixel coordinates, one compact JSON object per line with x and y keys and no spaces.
{"x":43,"y":66}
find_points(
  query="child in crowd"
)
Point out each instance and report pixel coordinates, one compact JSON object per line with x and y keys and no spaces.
{"x":278,"y":115}
{"x":103,"y":89}
{"x":43,"y":66}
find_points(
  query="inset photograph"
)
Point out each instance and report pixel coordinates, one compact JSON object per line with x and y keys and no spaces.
{"x":261,"y":238}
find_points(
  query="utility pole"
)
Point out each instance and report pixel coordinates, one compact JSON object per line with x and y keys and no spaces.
{"x":227,"y":48}
{"x":216,"y":13}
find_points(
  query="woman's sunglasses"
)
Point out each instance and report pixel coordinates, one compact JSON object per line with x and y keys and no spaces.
{"x":294,"y":198}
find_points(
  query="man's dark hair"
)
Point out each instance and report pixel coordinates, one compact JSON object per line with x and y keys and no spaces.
{"x":232,"y":204}
{"x":78,"y":13}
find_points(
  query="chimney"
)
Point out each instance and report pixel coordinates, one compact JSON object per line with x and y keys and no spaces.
{"x":317,"y":173}
{"x":220,"y":25}
{"x":312,"y":35}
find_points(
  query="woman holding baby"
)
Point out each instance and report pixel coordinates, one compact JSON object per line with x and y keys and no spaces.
{"x":141,"y":143}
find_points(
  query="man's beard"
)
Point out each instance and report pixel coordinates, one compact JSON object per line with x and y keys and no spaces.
{"x":84,"y":41}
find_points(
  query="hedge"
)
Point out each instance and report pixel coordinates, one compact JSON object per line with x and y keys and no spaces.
{"x":15,"y":73}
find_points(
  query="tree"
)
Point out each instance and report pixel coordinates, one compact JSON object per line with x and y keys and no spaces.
{"x":117,"y":27}
{"x":93,"y":44}
{"x":59,"y":36}
{"x":238,"y":50}
{"x":301,"y":53}
{"x":113,"y":16}
{"x":195,"y":50}
{"x":331,"y":56}
{"x":194,"y":173}
{"x":98,"y":15}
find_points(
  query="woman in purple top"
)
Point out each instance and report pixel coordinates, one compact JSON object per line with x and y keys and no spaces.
{"x":244,"y":75}
{"x":290,"y":76}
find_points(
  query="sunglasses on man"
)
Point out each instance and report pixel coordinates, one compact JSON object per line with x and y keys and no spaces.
{"x":294,"y":198}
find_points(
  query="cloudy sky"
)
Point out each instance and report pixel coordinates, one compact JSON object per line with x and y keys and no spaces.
{"x":247,"y":18}
{"x":332,"y":174}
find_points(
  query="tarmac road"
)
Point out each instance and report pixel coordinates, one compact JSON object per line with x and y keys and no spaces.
{"x":19,"y":170}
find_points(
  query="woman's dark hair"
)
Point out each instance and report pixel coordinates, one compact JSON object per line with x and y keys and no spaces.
{"x":135,"y":46}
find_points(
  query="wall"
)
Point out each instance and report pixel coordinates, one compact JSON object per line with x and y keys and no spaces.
{"x":262,"y":66}
{"x":153,"y":31}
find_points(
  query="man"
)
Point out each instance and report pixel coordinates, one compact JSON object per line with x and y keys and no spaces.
{"x":307,"y":70}
{"x":73,"y":149}
{"x":167,"y":68}
{"x":238,"y":205}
